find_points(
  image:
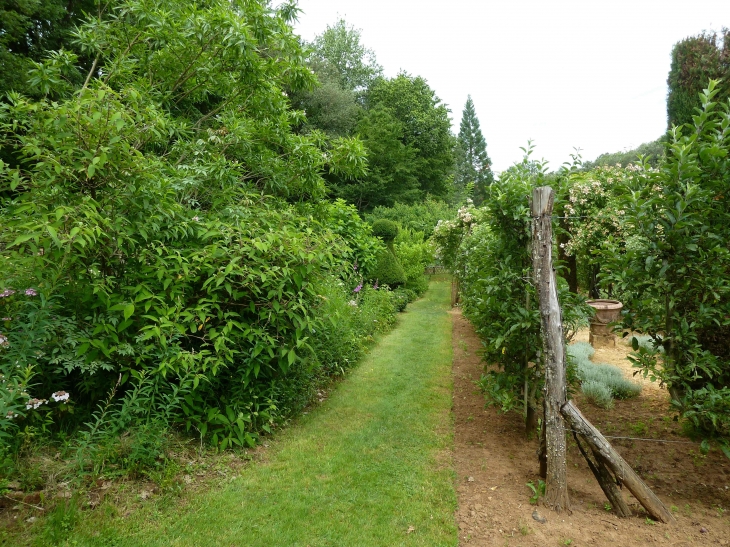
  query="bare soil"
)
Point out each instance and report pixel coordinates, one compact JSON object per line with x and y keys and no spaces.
{"x":494,"y":461}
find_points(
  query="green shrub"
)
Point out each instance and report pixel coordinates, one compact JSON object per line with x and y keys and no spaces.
{"x":623,"y":388}
{"x":171,"y":263}
{"x":414,"y":254}
{"x":420,"y":217}
{"x":400,"y":299}
{"x":708,"y":410}
{"x":417,"y":286}
{"x":377,"y":312}
{"x":388,"y":270}
{"x":387,"y":230}
{"x":337,"y":343}
{"x":674,"y":278}
{"x":597,"y":393}
{"x":581,"y":352}
{"x":609,"y":376}
{"x":342,"y":219}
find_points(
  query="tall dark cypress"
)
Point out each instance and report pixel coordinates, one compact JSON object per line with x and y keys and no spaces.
{"x":472,"y":162}
{"x":696,"y":60}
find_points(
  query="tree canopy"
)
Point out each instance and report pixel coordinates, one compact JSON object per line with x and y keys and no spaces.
{"x":338,"y":55}
{"x":426,"y":127}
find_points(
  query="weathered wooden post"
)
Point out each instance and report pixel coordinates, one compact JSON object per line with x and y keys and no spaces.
{"x":556,"y":483}
{"x":609,"y":467}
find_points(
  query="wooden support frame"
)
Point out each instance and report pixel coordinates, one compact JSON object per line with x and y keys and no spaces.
{"x":609,"y":468}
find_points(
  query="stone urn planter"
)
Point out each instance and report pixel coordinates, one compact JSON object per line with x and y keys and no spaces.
{"x":607,"y":312}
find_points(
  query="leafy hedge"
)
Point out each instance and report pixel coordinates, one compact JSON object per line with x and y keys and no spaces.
{"x":487,"y":248}
{"x":167,"y":256}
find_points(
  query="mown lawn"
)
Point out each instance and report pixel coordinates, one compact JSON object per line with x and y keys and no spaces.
{"x":371,"y":466}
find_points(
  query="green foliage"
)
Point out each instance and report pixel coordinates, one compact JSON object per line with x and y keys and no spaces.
{"x":338,"y":55}
{"x":420,"y":216}
{"x":328,"y":108}
{"x":413,"y":251}
{"x":344,"y":68}
{"x":348,"y":323}
{"x":381,"y":432}
{"x":400,"y":299}
{"x":150,"y":237}
{"x":425,"y":124}
{"x":448,"y":235}
{"x":708,"y":410}
{"x":415,"y":255}
{"x":387,"y":230}
{"x":362,"y":247}
{"x":29,"y":30}
{"x":537,"y":491}
{"x":695,"y":61}
{"x":388,"y":270}
{"x":652,"y":152}
{"x":673,"y":274}
{"x":494,"y":267}
{"x":594,"y":211}
{"x":472,"y":162}
{"x":392,"y":174}
{"x":597,"y":393}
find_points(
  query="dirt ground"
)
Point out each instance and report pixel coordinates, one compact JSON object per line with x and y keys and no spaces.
{"x":494,"y":461}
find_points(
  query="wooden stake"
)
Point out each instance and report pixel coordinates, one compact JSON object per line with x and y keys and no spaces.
{"x":613,"y":460}
{"x":556,"y":483}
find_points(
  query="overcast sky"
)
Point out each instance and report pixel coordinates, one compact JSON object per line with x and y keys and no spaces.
{"x":587,"y":74}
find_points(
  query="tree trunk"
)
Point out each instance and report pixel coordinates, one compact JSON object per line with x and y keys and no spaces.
{"x":542,"y":451}
{"x":613,"y":460}
{"x":530,"y":421}
{"x":556,"y":487}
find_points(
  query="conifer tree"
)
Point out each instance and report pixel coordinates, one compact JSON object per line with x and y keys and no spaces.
{"x":473,"y":166}
{"x":695,"y":61}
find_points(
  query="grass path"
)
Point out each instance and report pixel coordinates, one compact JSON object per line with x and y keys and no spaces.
{"x":369,"y":467}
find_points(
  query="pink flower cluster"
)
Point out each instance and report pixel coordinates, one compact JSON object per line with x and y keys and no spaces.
{"x":10,"y":292}
{"x":57,"y":396}
{"x":35,"y":403}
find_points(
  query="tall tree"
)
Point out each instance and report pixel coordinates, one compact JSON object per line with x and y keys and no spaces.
{"x":391,"y":173}
{"x":426,"y":127}
{"x":695,"y":61}
{"x":344,"y":68}
{"x":337,"y":54}
{"x":473,"y":165}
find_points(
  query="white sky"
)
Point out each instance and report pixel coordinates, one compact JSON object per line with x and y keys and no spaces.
{"x":588,"y":74}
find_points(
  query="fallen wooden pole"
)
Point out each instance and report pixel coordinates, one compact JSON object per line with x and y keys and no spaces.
{"x":618,"y":466}
{"x":605,"y":480}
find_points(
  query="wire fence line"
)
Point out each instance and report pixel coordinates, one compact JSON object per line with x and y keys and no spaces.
{"x":637,"y":438}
